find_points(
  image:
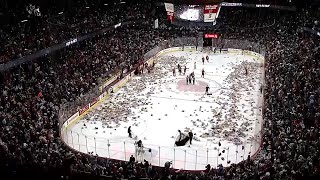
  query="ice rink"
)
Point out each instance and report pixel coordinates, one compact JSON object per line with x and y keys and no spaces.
{"x":226,"y":124}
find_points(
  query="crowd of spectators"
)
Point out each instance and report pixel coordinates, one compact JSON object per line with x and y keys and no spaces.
{"x":30,"y":96}
{"x":40,"y":32}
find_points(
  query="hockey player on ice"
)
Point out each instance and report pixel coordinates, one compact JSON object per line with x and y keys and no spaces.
{"x":203,"y":60}
{"x":202,"y":73}
{"x":207,"y":89}
{"x":195,"y":65}
{"x":192,"y":74}
{"x":192,"y":78}
{"x":174,"y":71}
{"x":182,"y":139}
{"x":185,"y":70}
{"x":180,"y":133}
{"x":207,"y":58}
{"x":179,"y":69}
{"x":190,"y":136}
{"x":129,"y":132}
{"x":187,"y":78}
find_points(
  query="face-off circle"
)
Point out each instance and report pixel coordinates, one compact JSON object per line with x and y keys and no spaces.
{"x":198,"y":87}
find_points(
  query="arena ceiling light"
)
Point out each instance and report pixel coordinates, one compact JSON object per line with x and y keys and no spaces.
{"x":60,"y":13}
{"x":24,"y":20}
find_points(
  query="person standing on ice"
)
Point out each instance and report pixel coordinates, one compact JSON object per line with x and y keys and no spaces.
{"x":207,"y":89}
{"x":187,"y":78}
{"x":185,"y":70}
{"x":246,"y":70}
{"x":195,"y":65}
{"x":202,"y":73}
{"x":203,"y":60}
{"x":192,"y":74}
{"x":179,"y":69}
{"x":174,"y":71}
{"x":207,"y":58}
{"x":190,"y":136}
{"x":180,"y":135}
{"x":130,"y":132}
{"x":193,"y":80}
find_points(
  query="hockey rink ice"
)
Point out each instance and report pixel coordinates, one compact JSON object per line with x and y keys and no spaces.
{"x":226,"y":124}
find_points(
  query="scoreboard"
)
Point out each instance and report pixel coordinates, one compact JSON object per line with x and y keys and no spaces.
{"x":194,"y":1}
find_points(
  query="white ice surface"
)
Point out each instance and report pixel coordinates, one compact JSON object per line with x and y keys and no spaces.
{"x":166,"y":109}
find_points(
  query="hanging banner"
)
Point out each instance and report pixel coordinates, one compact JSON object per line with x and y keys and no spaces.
{"x":210,"y":13}
{"x":263,"y":5}
{"x":170,"y":16}
{"x":170,"y":11}
{"x":169,"y":7}
{"x":156,"y":23}
{"x":231,"y":4}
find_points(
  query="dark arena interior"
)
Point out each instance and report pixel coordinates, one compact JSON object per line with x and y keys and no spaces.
{"x":57,"y":55}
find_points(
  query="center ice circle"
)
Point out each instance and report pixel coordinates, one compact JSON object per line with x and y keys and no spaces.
{"x":180,"y":85}
{"x":199,"y":86}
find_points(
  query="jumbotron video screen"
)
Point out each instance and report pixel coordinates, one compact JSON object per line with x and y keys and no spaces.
{"x":194,"y":13}
{"x":189,"y":12}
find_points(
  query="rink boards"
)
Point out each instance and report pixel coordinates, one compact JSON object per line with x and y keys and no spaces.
{"x":97,"y":101}
{"x":83,"y":111}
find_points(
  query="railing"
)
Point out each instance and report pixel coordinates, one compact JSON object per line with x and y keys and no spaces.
{"x":312,"y":31}
{"x":182,"y":158}
{"x":69,"y":108}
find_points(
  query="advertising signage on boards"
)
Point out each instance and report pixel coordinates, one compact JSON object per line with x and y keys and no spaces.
{"x":213,"y":36}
